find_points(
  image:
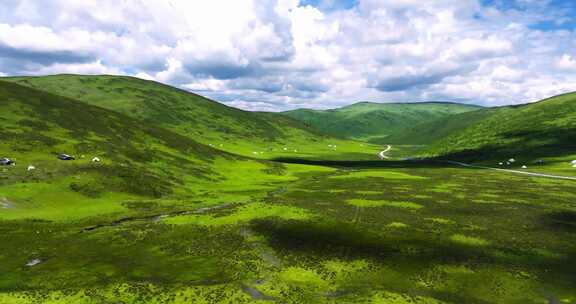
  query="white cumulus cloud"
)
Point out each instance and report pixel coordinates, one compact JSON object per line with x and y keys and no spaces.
{"x":280,"y":54}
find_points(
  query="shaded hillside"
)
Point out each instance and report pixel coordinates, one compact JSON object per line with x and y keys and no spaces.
{"x":432,"y":131}
{"x":376,"y":121}
{"x":545,"y":128}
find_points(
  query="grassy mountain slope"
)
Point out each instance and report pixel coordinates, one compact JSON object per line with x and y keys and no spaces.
{"x":139,"y":162}
{"x":188,"y":114}
{"x":431,"y":131}
{"x":375,"y":121}
{"x":541,"y":129}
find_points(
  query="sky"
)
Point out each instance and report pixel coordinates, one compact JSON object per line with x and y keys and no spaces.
{"x":275,"y":55}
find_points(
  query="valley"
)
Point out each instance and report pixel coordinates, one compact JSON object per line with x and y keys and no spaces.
{"x":197,"y":202}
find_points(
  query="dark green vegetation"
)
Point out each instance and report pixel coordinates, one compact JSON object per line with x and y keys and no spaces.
{"x":166,"y":219}
{"x":376,"y":122}
{"x":430,"y":132}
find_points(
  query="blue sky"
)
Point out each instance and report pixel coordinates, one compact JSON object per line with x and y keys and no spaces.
{"x":284,"y":54}
{"x":550,"y":14}
{"x":330,"y":5}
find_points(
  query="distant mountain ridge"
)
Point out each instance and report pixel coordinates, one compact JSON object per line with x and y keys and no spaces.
{"x":375,"y":122}
{"x":409,"y":102}
{"x":430,"y":132}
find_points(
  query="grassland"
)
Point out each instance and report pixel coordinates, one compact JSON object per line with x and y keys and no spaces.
{"x":165,"y":218}
{"x":324,"y":235}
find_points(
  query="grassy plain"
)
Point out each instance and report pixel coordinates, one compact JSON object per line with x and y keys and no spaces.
{"x":316,"y":234}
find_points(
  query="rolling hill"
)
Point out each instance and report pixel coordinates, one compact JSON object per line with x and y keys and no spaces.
{"x":543,"y":129}
{"x":251,"y":134}
{"x":140,"y":162}
{"x":431,"y":131}
{"x":375,"y":122}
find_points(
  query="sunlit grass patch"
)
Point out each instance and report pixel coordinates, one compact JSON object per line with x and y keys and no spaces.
{"x":301,"y":277}
{"x":469,"y":240}
{"x":297,"y":285}
{"x":378,"y":174}
{"x":445,"y":188}
{"x":490,"y":195}
{"x":54,"y":201}
{"x":368,"y":192}
{"x":244,"y":213}
{"x":397,"y":225}
{"x":257,"y":175}
{"x":338,"y":191}
{"x":480,"y":201}
{"x":371,"y":204}
{"x":420,"y":196}
{"x":440,"y":220}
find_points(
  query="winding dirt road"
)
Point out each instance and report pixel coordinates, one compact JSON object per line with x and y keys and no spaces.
{"x":382,"y":153}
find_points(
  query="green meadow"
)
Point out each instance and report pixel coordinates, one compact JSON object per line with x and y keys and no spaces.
{"x":298,"y":239}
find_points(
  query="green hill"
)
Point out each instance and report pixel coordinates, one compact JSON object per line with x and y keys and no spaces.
{"x":140,"y":162}
{"x":191,"y":115}
{"x":376,"y":121}
{"x":431,"y":131}
{"x":542,"y":129}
